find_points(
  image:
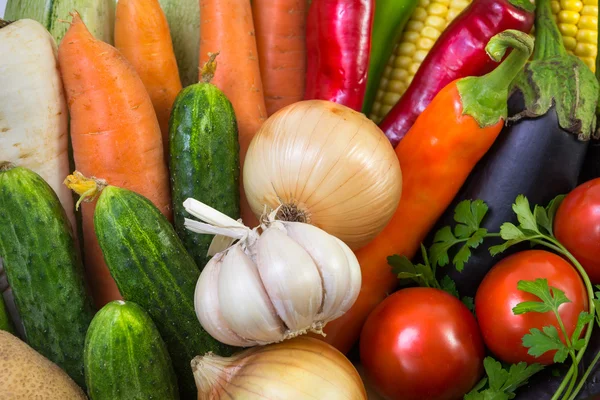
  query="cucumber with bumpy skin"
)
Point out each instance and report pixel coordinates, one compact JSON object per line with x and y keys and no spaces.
{"x":152,"y":268}
{"x":204,"y":160}
{"x":125,"y":358}
{"x":44,"y":269}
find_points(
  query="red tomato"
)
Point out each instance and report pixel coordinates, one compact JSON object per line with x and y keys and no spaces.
{"x":497,"y":295}
{"x":422,"y":344}
{"x":577,"y":226}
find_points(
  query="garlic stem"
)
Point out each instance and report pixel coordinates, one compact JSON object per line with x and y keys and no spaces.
{"x":210,"y":215}
{"x":200,"y":227}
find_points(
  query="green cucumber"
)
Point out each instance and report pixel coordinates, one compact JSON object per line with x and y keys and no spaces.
{"x":184,"y":23}
{"x":204,"y":161}
{"x":44,"y":269}
{"x":98,"y":15}
{"x":5,"y":320}
{"x":125,"y":358}
{"x":152,"y":268}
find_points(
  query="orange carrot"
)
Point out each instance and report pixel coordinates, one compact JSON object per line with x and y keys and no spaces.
{"x":115,"y":135}
{"x":280,"y":33}
{"x":226,"y":26}
{"x":142,"y":35}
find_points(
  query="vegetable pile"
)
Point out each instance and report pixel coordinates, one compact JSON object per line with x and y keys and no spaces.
{"x":300,"y":199}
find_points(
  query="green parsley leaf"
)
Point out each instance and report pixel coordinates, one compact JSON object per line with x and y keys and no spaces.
{"x":468,"y":301}
{"x":501,"y":382}
{"x":448,"y":285}
{"x":468,"y":216}
{"x":512,"y":234}
{"x":541,"y":218}
{"x":539,"y":342}
{"x":421,"y":274}
{"x":550,"y":296}
{"x":551,"y":210}
{"x":583,"y":319}
{"x":524,"y":215}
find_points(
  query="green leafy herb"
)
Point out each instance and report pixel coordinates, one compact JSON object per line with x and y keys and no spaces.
{"x":501,"y":383}
{"x":468,"y":215}
{"x":540,"y":342}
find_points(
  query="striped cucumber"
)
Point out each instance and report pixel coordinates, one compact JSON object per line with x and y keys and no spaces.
{"x":125,"y":358}
{"x":98,"y":15}
{"x":204,"y":160}
{"x":151,"y":268}
{"x":43,"y":268}
{"x":184,"y":22}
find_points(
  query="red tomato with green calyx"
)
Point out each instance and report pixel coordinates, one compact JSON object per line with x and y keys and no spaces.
{"x":577,"y":226}
{"x":422,"y":343}
{"x":497,"y":295}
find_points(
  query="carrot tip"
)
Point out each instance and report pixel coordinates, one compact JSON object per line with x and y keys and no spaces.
{"x":87,"y":188}
{"x":207,"y":72}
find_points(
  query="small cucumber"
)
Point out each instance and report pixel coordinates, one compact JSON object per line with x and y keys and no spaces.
{"x":44,"y":269}
{"x":152,"y":268}
{"x":125,"y":357}
{"x":204,"y":160}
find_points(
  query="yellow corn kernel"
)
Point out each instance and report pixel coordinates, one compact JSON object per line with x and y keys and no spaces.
{"x":577,"y":22}
{"x":568,"y":17}
{"x":568,"y":30}
{"x":425,"y":26}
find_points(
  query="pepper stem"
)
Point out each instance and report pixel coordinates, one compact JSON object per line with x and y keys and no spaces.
{"x":207,"y":72}
{"x":87,"y":188}
{"x":485,"y":97}
{"x":548,"y":40}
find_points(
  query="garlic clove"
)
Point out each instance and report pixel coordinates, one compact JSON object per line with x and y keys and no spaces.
{"x":355,"y":279}
{"x":291,"y":279}
{"x":206,"y":304}
{"x":245,"y":305}
{"x":330,"y":259}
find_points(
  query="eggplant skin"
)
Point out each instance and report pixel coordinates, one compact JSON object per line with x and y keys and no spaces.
{"x":533,"y":157}
{"x":591,"y":165}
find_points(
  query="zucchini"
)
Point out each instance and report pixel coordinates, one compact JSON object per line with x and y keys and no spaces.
{"x":44,"y":269}
{"x":184,"y":23}
{"x":152,"y":268}
{"x":204,"y":161}
{"x":98,"y":15}
{"x":125,"y":358}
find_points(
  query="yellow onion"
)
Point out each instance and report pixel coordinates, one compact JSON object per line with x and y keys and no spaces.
{"x":298,"y":369}
{"x":325,"y":164}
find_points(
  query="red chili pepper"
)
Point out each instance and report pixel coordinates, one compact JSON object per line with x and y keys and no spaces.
{"x":338,"y":44}
{"x":458,"y":52}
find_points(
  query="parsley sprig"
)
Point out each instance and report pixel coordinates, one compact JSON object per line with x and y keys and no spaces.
{"x":536,"y":227}
{"x":501,"y":382}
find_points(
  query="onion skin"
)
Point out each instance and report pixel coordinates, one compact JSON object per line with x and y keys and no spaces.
{"x":299,"y":369}
{"x":331,"y":163}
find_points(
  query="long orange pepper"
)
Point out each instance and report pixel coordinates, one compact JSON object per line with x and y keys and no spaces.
{"x":437,"y":154}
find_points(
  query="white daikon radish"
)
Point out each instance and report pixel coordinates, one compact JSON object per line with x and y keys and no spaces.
{"x":33,"y":110}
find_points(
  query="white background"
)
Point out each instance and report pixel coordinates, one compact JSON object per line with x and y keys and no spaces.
{"x":2,"y":6}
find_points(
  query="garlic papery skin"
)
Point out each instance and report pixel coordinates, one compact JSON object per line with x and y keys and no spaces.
{"x":244,"y":303}
{"x":298,"y":369}
{"x":291,"y":279}
{"x":325,"y":164}
{"x":337,"y":274}
{"x":274,"y":283}
{"x":208,"y":311}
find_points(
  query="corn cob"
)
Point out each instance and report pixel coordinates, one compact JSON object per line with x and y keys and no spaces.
{"x":577,"y":21}
{"x":426,"y":24}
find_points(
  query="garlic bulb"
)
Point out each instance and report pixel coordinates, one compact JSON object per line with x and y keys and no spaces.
{"x":289,"y":279}
{"x":325,"y":164}
{"x":299,"y":369}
